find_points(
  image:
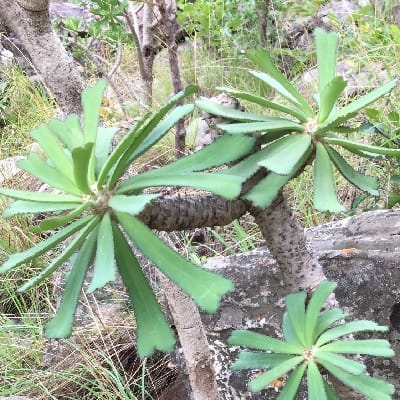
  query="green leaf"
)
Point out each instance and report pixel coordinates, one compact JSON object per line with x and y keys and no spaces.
{"x":79,"y":238}
{"x":214,"y":154}
{"x":291,"y":387}
{"x":289,"y":333}
{"x":283,"y":155}
{"x":47,"y":174}
{"x":61,"y":325}
{"x":258,"y":341}
{"x":265,"y":103}
{"x":103,"y":271}
{"x":295,"y":306}
{"x":359,"y":148}
{"x":350,"y":366}
{"x":103,"y":146}
{"x":363,"y":182}
{"x":68,"y":131}
{"x":42,"y":197}
{"x":81,"y":157}
{"x":374,"y":389}
{"x":314,"y":306}
{"x":274,"y":126}
{"x":228,"y":186}
{"x":17,"y":259}
{"x":315,"y":383}
{"x":132,"y":205}
{"x":278,"y":81}
{"x":326,"y":319}
{"x":325,"y":46}
{"x":233,"y":114}
{"x":348,"y":328}
{"x":324,"y":184}
{"x":252,"y":360}
{"x":329,"y":96}
{"x":354,"y":107}
{"x":53,"y":150}
{"x":153,"y":331}
{"x":53,"y":223}
{"x":264,"y":192}
{"x":259,"y":383}
{"x":35,"y":207}
{"x":330,"y":394}
{"x":372,"y":347}
{"x":206,"y":288}
{"x":92,"y":98}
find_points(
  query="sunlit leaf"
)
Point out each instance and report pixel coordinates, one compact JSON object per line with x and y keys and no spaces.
{"x":291,"y":386}
{"x":350,"y":366}
{"x":295,"y":306}
{"x":252,"y":360}
{"x":315,"y":384}
{"x":132,"y":205}
{"x":35,"y":207}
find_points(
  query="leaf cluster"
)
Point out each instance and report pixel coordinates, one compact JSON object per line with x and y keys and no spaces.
{"x":311,"y":342}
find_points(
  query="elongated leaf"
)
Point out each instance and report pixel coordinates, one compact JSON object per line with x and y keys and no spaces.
{"x":291,"y":387}
{"x":314,"y":306}
{"x":258,"y":341}
{"x":276,"y":126}
{"x":103,"y":145}
{"x":228,"y":186}
{"x":17,"y":259}
{"x":132,"y":205}
{"x":104,"y":270}
{"x":283,"y":155}
{"x":233,"y":114}
{"x":265,"y":379}
{"x":206,"y":288}
{"x":153,"y":331}
{"x":81,"y":157}
{"x":360,"y":148}
{"x":92,"y":98}
{"x":77,"y":241}
{"x":326,"y":319}
{"x":289,"y":333}
{"x":41,"y":170}
{"x":263,"y":194}
{"x":252,"y":360}
{"x":35,"y":207}
{"x":223,"y":150}
{"x":325,"y":46}
{"x":265,"y":103}
{"x":372,"y":347}
{"x":295,"y":306}
{"x":53,"y":150}
{"x":329,"y":96}
{"x":119,"y":151}
{"x":315,"y":384}
{"x":350,"y":366}
{"x":354,"y":107}
{"x":263,"y":60}
{"x":53,"y":223}
{"x":374,"y":389}
{"x":330,"y":394}
{"x":367,"y":183}
{"x":324,"y":184}
{"x":68,"y":131}
{"x":61,"y":325}
{"x":348,"y":328}
{"x":41,"y":197}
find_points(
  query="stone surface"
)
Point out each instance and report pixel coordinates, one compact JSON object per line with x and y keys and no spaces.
{"x":361,"y":254}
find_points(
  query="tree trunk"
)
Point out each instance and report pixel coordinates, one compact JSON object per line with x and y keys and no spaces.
{"x":33,"y":28}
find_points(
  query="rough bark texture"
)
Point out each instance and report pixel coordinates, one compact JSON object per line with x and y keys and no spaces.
{"x":34,"y":30}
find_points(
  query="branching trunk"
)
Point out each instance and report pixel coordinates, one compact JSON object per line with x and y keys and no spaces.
{"x":33,"y":28}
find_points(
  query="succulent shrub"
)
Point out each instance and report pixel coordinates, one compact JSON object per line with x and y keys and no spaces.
{"x":313,"y":340}
{"x":305,"y":134}
{"x":94,"y":210}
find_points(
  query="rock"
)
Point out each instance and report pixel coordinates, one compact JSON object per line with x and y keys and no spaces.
{"x":361,"y":254}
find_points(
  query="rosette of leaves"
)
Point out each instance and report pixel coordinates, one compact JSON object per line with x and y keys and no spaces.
{"x":95,"y":211}
{"x":311,"y":341}
{"x":304,"y":134}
